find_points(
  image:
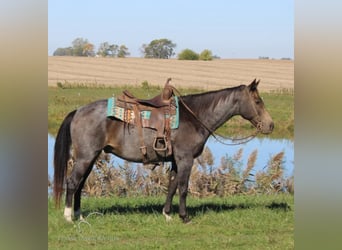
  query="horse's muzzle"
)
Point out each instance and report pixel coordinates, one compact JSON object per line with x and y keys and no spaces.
{"x":271,"y":126}
{"x":265,"y":128}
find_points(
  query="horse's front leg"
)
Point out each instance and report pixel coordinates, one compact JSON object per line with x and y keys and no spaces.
{"x":173,"y":183}
{"x":184,"y":165}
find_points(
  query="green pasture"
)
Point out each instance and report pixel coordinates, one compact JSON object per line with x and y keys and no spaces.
{"x":67,"y":97}
{"x":235,"y":222}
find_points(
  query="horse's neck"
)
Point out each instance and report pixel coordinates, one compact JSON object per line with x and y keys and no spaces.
{"x":215,"y":109}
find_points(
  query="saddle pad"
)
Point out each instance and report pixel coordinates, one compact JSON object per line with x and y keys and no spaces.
{"x":127,"y":115}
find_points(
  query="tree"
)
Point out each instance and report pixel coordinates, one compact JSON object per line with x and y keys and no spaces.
{"x":63,"y":52}
{"x":188,"y":54}
{"x":81,"y":47}
{"x":159,"y":48}
{"x":108,"y":50}
{"x":103,"y":49}
{"x":112,"y":50}
{"x":123,"y":51}
{"x":88,"y":50}
{"x":206,"y":55}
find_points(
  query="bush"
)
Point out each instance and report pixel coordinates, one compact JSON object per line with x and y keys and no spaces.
{"x":188,"y":54}
{"x":206,"y":55}
{"x":145,"y":85}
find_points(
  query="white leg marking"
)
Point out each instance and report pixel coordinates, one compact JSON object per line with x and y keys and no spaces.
{"x":167,"y":217}
{"x":67,"y":214}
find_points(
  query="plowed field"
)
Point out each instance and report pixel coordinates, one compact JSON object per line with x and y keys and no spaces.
{"x":208,"y":75}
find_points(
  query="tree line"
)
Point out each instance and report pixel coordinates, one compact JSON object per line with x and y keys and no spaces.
{"x":157,"y":48}
{"x":82,"y":47}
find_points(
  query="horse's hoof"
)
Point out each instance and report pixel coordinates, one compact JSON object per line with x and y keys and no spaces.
{"x":67,"y":214}
{"x":186,"y":220}
{"x":69,"y":220}
{"x":78,"y":215}
{"x":167,"y":217}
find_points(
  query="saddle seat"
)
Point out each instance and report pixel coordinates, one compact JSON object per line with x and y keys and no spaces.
{"x":161,"y":107}
{"x":158,"y":101}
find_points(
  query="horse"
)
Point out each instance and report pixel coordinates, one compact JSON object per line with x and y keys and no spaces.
{"x":88,"y":131}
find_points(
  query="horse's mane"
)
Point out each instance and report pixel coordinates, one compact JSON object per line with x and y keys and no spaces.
{"x":205,"y":100}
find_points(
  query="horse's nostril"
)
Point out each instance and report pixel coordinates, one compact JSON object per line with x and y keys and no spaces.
{"x":272,"y":126}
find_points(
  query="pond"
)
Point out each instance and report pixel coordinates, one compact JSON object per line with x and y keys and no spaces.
{"x":266,"y":149}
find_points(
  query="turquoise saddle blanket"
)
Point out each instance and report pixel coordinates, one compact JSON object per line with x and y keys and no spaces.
{"x":128,"y":115}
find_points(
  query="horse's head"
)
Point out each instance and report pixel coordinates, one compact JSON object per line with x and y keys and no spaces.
{"x":253,"y":109}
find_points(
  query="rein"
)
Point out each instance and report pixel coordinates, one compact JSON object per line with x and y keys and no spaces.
{"x":212,"y":132}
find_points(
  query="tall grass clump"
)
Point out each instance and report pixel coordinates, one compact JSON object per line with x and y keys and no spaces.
{"x":272,"y":180}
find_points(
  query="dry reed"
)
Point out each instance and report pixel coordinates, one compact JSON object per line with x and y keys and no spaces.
{"x":229,"y":178}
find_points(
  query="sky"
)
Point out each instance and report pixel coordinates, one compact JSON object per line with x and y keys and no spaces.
{"x":229,"y":28}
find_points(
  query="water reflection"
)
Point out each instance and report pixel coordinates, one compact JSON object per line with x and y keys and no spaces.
{"x":266,"y":149}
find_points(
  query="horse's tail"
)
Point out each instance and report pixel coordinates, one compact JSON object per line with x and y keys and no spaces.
{"x":61,"y":156}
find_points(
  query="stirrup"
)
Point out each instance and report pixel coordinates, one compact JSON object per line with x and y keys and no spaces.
{"x":159,"y":139}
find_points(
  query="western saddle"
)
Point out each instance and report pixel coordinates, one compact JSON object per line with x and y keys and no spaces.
{"x":160,"y":109}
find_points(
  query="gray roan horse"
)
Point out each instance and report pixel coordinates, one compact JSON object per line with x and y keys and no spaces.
{"x":89,"y":131}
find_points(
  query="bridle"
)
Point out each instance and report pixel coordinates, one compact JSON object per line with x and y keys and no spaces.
{"x":213,"y":133}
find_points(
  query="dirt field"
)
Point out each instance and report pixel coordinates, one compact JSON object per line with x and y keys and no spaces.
{"x":274,"y":74}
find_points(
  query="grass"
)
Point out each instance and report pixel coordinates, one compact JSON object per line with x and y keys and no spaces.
{"x":68,"y":97}
{"x":236,"y":222}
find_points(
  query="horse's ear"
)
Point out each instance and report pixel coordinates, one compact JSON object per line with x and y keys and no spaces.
{"x":253,"y":86}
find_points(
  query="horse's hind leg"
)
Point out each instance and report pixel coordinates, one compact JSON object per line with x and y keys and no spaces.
{"x":77,"y":196}
{"x":75,"y":184}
